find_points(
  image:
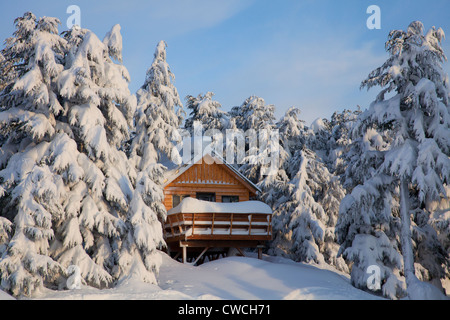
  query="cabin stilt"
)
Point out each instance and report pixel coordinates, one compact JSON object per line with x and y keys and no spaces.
{"x":184,"y":253}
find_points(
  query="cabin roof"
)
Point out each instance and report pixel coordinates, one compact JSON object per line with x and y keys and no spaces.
{"x":175,"y":171}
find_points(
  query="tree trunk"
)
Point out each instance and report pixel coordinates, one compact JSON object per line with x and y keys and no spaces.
{"x":406,"y":241}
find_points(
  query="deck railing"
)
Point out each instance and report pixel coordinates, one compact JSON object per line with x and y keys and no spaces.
{"x":218,"y":226}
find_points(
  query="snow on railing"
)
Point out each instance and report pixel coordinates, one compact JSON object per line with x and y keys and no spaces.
{"x":218,"y":224}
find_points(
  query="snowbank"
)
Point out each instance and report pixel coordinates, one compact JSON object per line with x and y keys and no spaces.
{"x":191,"y":205}
{"x":274,"y":278}
{"x":233,"y":278}
{"x":5,"y":296}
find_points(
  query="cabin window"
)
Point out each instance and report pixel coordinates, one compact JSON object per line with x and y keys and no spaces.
{"x":228,"y":199}
{"x":211,"y":197}
{"x":176,"y":199}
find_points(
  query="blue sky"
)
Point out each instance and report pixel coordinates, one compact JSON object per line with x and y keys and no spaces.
{"x":311,"y":54}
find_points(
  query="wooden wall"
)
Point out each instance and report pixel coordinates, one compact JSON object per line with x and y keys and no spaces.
{"x":214,"y":178}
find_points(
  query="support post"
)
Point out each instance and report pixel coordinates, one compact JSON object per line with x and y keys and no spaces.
{"x":260,"y":247}
{"x":184,"y":248}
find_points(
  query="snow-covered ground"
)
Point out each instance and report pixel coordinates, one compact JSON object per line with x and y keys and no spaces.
{"x":233,"y":278}
{"x":5,"y":296}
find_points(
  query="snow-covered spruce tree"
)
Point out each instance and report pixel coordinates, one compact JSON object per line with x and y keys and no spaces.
{"x":64,"y":184}
{"x":263,"y":149}
{"x":316,"y":182}
{"x":158,"y":118}
{"x":419,"y":155}
{"x":208,"y":120}
{"x":304,"y":224}
{"x":330,"y":139}
{"x":318,"y":138}
{"x":138,"y":256}
{"x":98,"y":110}
{"x":417,"y":158}
{"x":292,"y":131}
{"x":7,"y":71}
{"x":5,"y":234}
{"x":368,"y":215}
{"x":159,"y":113}
{"x":341,"y":125}
{"x":292,"y":138}
{"x":367,"y":230}
{"x":440,"y":221}
{"x":255,"y":119}
{"x":206,"y":111}
{"x":30,"y":194}
{"x":254,"y":114}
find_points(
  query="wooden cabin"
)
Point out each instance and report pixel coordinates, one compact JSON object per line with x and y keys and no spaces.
{"x":211,"y":208}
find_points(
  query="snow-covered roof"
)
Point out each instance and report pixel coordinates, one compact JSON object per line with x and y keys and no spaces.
{"x":192,"y":205}
{"x":174,"y":171}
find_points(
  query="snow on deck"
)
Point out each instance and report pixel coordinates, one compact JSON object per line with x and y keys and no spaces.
{"x":191,"y":205}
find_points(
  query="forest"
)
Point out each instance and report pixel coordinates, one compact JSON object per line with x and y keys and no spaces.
{"x":81,"y":164}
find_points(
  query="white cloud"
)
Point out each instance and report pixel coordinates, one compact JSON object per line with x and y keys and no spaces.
{"x":170,"y":18}
{"x":319,"y":77}
{"x":194,"y":14}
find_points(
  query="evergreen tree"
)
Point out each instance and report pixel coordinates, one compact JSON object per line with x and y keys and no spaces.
{"x":440,"y":222}
{"x":139,"y":257}
{"x":292,"y":131}
{"x":304,"y":223}
{"x":64,"y":184}
{"x":253,"y":114}
{"x":159,"y":112}
{"x":318,"y":138}
{"x":307,"y":195}
{"x":367,"y":230}
{"x":264,"y":153}
{"x":29,"y":193}
{"x":99,"y":109}
{"x":6,"y":228}
{"x":412,"y":128}
{"x":419,"y":154}
{"x":292,"y":138}
{"x":256,"y":120}
{"x":338,"y":146}
{"x":206,"y":111}
{"x":158,"y":118}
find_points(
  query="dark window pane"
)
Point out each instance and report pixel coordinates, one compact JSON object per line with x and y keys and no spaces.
{"x":228,"y":199}
{"x":175,"y":200}
{"x":211,"y":197}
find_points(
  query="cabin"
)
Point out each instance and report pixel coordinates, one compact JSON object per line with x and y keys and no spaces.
{"x":211,"y":208}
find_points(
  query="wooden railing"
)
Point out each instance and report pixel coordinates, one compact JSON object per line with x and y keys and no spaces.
{"x":218,"y":226}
